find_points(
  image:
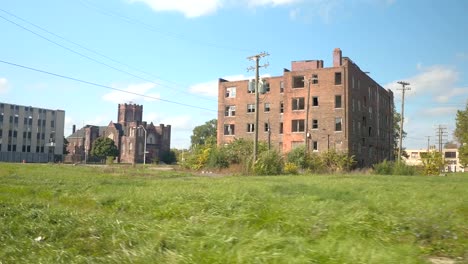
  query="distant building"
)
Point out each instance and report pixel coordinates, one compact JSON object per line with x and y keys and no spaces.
{"x":128,"y":135}
{"x":450,"y":154}
{"x":348,"y":110}
{"x":30,"y":134}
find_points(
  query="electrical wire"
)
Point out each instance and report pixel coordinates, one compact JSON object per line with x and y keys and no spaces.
{"x":103,"y":86}
{"x":90,"y":58}
{"x":157,"y":30}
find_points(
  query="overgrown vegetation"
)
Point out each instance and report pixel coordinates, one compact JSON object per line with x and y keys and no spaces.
{"x":394,"y":168}
{"x":433,"y":162}
{"x":120,"y":214}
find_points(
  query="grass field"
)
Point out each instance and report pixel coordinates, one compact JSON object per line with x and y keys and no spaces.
{"x":75,"y":214}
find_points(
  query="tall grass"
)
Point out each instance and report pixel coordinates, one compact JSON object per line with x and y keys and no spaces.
{"x":138,"y":215}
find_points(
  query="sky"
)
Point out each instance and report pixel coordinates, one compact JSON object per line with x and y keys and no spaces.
{"x":174,"y":51}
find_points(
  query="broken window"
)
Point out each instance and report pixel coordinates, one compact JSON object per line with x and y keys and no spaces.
{"x":281,"y":87}
{"x":314,"y":78}
{"x":230,"y":110}
{"x":281,"y":107}
{"x":298,"y":82}
{"x":298,"y":103}
{"x":229,"y":129}
{"x":337,"y":78}
{"x":231,"y":92}
{"x":267,"y":127}
{"x":281,"y":128}
{"x":314,"y":124}
{"x":337,"y":101}
{"x":338,"y":122}
{"x":315,"y":145}
{"x":315,"y":101}
{"x":267,"y":107}
{"x":250,"y":108}
{"x":297,"y":125}
{"x":250,"y":127}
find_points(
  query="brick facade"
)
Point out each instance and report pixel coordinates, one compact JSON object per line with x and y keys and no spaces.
{"x":128,"y":135}
{"x":348,"y":110}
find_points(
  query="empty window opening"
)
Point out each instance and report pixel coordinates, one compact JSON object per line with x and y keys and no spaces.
{"x":298,"y":103}
{"x":250,"y":108}
{"x":229,"y":129}
{"x":298,"y":82}
{"x":314,"y":78}
{"x":338,"y":122}
{"x":315,"y":101}
{"x":230,"y":110}
{"x":314,"y":124}
{"x":297,"y":125}
{"x":337,"y":101}
{"x":267,"y":107}
{"x":250,"y":127}
{"x":337,"y":78}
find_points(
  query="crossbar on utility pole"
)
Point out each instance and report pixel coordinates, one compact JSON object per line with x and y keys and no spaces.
{"x":256,"y":58}
{"x":403,"y":89}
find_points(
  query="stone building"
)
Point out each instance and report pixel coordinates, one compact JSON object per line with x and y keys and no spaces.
{"x":30,"y":134}
{"x":129,"y":137}
{"x":347,"y":110}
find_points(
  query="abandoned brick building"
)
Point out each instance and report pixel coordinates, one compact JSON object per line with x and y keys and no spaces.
{"x":128,"y":134}
{"x":347,"y":110}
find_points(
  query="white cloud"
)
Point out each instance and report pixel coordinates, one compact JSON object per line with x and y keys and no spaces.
{"x":183,"y":122}
{"x":211,"y":88}
{"x":4,"y":86}
{"x":132,"y":92}
{"x":189,"y":8}
{"x":440,"y":111}
{"x":437,"y":81}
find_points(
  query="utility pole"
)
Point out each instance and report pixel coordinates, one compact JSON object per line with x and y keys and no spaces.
{"x":428,"y":142}
{"x":256,"y":58}
{"x":441,"y":134}
{"x":306,"y":133}
{"x":403,"y":89}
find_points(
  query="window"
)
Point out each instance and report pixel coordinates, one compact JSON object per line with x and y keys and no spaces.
{"x":314,"y":78}
{"x":251,"y":88}
{"x":267,"y":107}
{"x":451,"y":155}
{"x":281,"y":87}
{"x":315,"y":101}
{"x":281,"y":107}
{"x":281,"y":128}
{"x":337,"y":101}
{"x":250,"y":108}
{"x":338,"y":124}
{"x":337,"y":78}
{"x":365,"y":101}
{"x":52,"y":123}
{"x":353,"y":104}
{"x":314,"y":124}
{"x":231,"y":92}
{"x":314,"y":145}
{"x":298,"y":82}
{"x":15,"y":134}
{"x":230,"y":110}
{"x":267,"y":127}
{"x":229,"y":129}
{"x":265,"y":87}
{"x":297,"y":125}
{"x":352,"y":82}
{"x":298,"y":103}
{"x":250,"y":127}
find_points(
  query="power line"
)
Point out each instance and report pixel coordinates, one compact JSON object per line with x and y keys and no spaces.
{"x":103,"y":86}
{"x":155,"y":29}
{"x":88,"y":57}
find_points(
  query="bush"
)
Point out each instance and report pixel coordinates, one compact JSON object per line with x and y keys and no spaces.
{"x":403,"y":169}
{"x":384,"y":168}
{"x":169,"y":157}
{"x":432,"y":163}
{"x":218,"y":159}
{"x":268,"y":163}
{"x":298,"y":157}
{"x":290,"y":168}
{"x":110,"y":160}
{"x":335,"y":161}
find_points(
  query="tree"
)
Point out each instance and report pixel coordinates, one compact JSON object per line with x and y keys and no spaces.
{"x":461,"y":133}
{"x":204,"y":133}
{"x":104,"y":147}
{"x":65,"y":146}
{"x":396,"y":132}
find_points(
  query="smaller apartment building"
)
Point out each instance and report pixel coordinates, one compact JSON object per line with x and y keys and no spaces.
{"x":30,"y":134}
{"x":346,"y":110}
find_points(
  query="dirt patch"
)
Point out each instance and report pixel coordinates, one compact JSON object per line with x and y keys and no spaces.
{"x":441,"y":260}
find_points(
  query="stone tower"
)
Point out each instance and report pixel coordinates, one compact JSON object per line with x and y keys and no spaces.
{"x":130,"y":113}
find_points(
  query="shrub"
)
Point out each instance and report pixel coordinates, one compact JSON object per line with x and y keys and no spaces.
{"x":384,"y":168}
{"x":335,"y":161}
{"x":298,"y":157}
{"x":403,"y":169}
{"x":290,"y":168}
{"x":268,"y":163}
{"x":218,"y":158}
{"x":169,"y":157}
{"x":432,"y":163}
{"x":110,"y":160}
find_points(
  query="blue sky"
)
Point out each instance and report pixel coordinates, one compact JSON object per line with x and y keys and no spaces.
{"x":176,"y":50}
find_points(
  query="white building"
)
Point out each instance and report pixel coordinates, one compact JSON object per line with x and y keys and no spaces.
{"x":30,"y":134}
{"x":450,"y":155}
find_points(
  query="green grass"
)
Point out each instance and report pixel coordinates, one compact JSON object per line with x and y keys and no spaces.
{"x":133,"y":215}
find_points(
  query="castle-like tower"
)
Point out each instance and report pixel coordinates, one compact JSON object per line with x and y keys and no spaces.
{"x":130,"y":113}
